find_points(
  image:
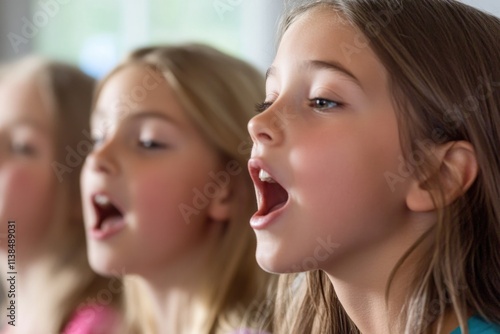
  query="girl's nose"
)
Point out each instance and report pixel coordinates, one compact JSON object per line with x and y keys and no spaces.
{"x":102,"y":159}
{"x":267,"y":128}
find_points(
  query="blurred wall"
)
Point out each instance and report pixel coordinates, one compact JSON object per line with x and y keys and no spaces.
{"x":492,"y":6}
{"x":15,"y":35}
{"x":259,"y":31}
{"x":259,"y":23}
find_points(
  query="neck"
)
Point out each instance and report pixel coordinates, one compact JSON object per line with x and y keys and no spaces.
{"x":38,"y":278}
{"x":172,"y":308}
{"x":175,"y":292}
{"x":29,"y":284}
{"x":361,"y":281}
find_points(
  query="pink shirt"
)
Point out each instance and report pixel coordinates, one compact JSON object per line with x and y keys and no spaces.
{"x":93,"y":320}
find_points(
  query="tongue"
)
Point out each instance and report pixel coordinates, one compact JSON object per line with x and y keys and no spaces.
{"x":277,"y":206}
{"x":111,"y":223}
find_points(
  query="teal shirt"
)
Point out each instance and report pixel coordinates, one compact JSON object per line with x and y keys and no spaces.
{"x":478,"y":326}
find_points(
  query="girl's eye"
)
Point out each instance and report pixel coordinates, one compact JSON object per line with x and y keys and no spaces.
{"x":22,"y":148}
{"x":261,"y":107}
{"x":151,"y":144}
{"x":96,"y":141}
{"x":322,"y":104}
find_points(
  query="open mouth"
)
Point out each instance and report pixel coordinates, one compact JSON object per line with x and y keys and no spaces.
{"x":109,"y":216}
{"x":271,"y":195}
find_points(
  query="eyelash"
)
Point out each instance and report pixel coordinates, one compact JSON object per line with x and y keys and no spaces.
{"x":151,"y":145}
{"x":96,"y":141}
{"x":23,"y":149}
{"x":146,"y":144}
{"x":317,"y":99}
{"x":261,"y":107}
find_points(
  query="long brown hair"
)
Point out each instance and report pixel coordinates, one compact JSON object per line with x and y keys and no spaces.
{"x":443,"y":62}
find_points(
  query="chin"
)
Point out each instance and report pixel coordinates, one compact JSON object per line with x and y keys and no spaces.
{"x":273,"y":263}
{"x":101,"y":268}
{"x":105,"y":265}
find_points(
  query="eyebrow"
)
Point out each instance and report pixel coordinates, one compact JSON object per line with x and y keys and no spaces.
{"x":322,"y":65}
{"x":142,"y":114}
{"x":139,"y":115}
{"x":32,"y":124}
{"x":333,"y":66}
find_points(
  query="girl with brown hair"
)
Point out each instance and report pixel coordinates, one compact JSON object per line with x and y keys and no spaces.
{"x":376,"y":163}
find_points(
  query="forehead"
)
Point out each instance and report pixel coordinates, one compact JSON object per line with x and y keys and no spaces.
{"x":137,"y":89}
{"x":320,"y":24}
{"x":134,"y":87}
{"x":22,"y":102}
{"x":132,"y":84}
{"x":323,"y":34}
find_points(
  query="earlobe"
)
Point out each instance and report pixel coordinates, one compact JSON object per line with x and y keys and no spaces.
{"x":456,"y":170}
{"x":219,"y":209}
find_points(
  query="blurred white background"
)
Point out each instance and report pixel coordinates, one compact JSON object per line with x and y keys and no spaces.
{"x":95,"y":34}
{"x":492,"y":6}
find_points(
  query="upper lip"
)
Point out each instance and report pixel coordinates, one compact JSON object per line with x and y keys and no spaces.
{"x":255,"y":165}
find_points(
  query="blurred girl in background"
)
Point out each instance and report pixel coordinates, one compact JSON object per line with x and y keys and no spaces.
{"x":45,"y":106}
{"x":166,"y":194}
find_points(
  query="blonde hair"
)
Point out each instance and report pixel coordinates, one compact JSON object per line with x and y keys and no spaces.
{"x":443,"y":61}
{"x":218,"y":93}
{"x":66,"y":93}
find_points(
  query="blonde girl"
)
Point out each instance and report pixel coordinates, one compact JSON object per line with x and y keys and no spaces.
{"x":376,"y":163}
{"x":42,"y":145}
{"x":166,"y":195}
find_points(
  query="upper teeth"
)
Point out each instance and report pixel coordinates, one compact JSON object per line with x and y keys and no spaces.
{"x":265,"y":177}
{"x":102,"y":199}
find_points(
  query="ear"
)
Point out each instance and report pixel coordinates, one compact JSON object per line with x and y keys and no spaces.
{"x":456,"y":170}
{"x":220,"y":205}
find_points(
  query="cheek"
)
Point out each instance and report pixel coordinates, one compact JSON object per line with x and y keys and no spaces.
{"x":345,"y":184}
{"x":169,"y":201}
{"x":86,"y":180}
{"x":27,"y":195}
{"x":161,"y":230}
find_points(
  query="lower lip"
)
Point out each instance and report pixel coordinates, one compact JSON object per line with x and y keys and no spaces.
{"x":116,"y":227}
{"x":261,"y":222}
